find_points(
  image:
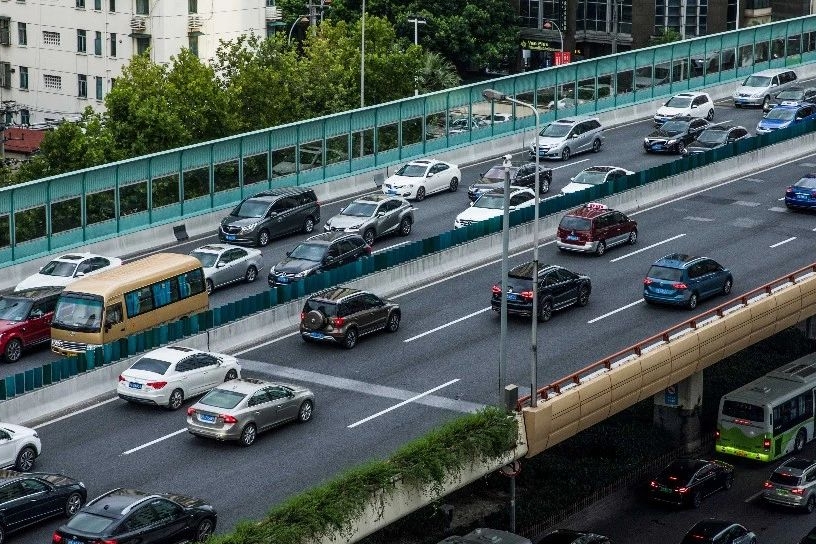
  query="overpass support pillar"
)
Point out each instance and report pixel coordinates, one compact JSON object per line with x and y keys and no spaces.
{"x":677,"y":409}
{"x":808,"y":326}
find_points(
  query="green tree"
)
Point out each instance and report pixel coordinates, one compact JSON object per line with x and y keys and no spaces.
{"x":666,"y":35}
{"x":436,"y":73}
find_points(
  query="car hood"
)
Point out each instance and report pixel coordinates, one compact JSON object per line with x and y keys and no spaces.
{"x":293,"y":266}
{"x":549,"y":141}
{"x":43,"y":280}
{"x":773,"y":123}
{"x":341,"y":221}
{"x":6,"y":325}
{"x":573,"y":187}
{"x":671,"y":112}
{"x":399,"y":181}
{"x":666,"y":134}
{"x":478,"y":214}
{"x":19,"y":430}
{"x":235,"y":221}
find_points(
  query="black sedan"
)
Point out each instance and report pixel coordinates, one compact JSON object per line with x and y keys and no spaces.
{"x":521,"y":175}
{"x":687,"y":481}
{"x":674,"y":135}
{"x":716,"y":136}
{"x":558,"y":288}
{"x":28,"y":498}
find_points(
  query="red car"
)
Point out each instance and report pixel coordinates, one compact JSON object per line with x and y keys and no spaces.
{"x":594,"y":228}
{"x":25,"y":319}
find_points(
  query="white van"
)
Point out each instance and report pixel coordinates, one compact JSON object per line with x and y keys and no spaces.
{"x":757,"y":89}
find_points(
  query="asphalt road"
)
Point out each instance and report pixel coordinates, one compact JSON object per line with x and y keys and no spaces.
{"x":445,"y":350}
{"x":623,"y":147}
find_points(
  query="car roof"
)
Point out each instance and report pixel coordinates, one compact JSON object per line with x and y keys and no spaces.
{"x":526,"y":270}
{"x":726,"y":127}
{"x":571,"y":120}
{"x":796,"y":466}
{"x":711,"y":527}
{"x":771,"y":72}
{"x":377,"y":197}
{"x":691,"y":94}
{"x":331,"y":236}
{"x":590,"y":210}
{"x":282,"y":191}
{"x":116,"y":503}
{"x":73,"y":257}
{"x":34,"y":293}
{"x":248,"y":385}
{"x":676,"y":260}
{"x":171,"y":354}
{"x":214,"y":248}
{"x":424,"y":162}
{"x":335,"y":294}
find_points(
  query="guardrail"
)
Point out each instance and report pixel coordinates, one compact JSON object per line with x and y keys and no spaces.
{"x":635,"y":373}
{"x":107,"y":201}
{"x":67,"y":367}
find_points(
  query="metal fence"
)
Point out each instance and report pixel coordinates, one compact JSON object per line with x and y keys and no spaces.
{"x":107,"y":201}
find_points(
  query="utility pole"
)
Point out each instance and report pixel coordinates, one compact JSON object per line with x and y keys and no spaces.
{"x":417,"y":21}
{"x":615,"y":23}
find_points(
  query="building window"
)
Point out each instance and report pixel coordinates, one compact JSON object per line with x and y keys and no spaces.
{"x":98,"y":5}
{"x":82,"y":86}
{"x":112,"y":44}
{"x":51,"y":38}
{"x":142,"y":7}
{"x":192,"y":6}
{"x":22,"y":34}
{"x":25,"y":117}
{"x":80,"y":4}
{"x":52,"y":82}
{"x":688,"y":18}
{"x":5,"y":31}
{"x":142,"y":45}
{"x":24,"y":77}
{"x":112,"y":6}
{"x":5,"y":75}
{"x":193,"y":41}
{"x":82,"y":46}
{"x":98,"y":44}
{"x":98,"y":88}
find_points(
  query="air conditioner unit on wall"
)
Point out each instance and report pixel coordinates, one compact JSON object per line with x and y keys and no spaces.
{"x":273,"y":13}
{"x":138,"y":23}
{"x":194,"y":23}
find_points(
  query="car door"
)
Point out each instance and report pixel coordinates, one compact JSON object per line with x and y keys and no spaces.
{"x":8,"y":451}
{"x":188,"y":376}
{"x":283,"y":220}
{"x":371,"y":313}
{"x":42,"y":501}
{"x":352,"y":249}
{"x":284,"y":403}
{"x":696,"y":281}
{"x":711,"y":277}
{"x":172,"y":522}
{"x":262,"y":410}
{"x":706,"y":480}
{"x":144,"y":524}
{"x":390,"y":216}
{"x":578,"y":136}
{"x":696,"y":126}
{"x":553,"y":288}
{"x":738,"y":535}
{"x":440,"y":180}
{"x":16,"y":506}
{"x":567,"y":286}
{"x":209,"y":366}
{"x":37,"y":328}
{"x":234,"y":270}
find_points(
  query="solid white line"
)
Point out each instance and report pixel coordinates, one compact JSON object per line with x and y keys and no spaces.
{"x":613,"y":312}
{"x":569,"y":164}
{"x":446,"y":325}
{"x":780,"y":199}
{"x":403,"y":403}
{"x":256,"y":346}
{"x":147,"y":444}
{"x":74,"y":412}
{"x":791,"y":239}
{"x":616,"y":259}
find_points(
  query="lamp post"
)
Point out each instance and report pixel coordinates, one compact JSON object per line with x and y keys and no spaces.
{"x":417,"y":21}
{"x":301,"y":19}
{"x":550,"y":23}
{"x":493,"y":96}
{"x":615,"y":22}
{"x":362,"y":65}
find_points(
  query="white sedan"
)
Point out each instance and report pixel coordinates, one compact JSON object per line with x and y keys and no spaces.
{"x":168,"y":375}
{"x":19,"y":447}
{"x":423,"y":177}
{"x":491,"y":204}
{"x":67,"y":269}
{"x":224,"y":264}
{"x":595,"y":175}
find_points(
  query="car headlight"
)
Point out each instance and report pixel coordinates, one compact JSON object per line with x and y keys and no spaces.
{"x":757,"y":95}
{"x":354,"y":227}
{"x":250,"y":227}
{"x":303,"y":274}
{"x":645,"y":140}
{"x":671,"y":142}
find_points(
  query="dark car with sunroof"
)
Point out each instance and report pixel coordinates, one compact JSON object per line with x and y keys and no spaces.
{"x":714,"y":137}
{"x":802,"y":194}
{"x":558,"y":288}
{"x":521,"y":175}
{"x":674,"y":135}
{"x":686,"y":482}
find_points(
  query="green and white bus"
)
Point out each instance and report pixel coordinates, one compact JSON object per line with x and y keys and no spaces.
{"x":771,"y":416}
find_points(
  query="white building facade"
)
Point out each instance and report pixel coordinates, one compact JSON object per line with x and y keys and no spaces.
{"x":59,"y":56}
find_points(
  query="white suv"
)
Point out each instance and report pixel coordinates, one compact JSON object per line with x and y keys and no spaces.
{"x":686,"y":105}
{"x":491,"y":204}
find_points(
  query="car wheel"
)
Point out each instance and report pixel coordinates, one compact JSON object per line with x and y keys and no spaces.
{"x":810,"y":505}
{"x":727,"y":286}
{"x":308,"y":225}
{"x":583,"y":296}
{"x":305,"y":411}
{"x":210,"y":286}
{"x":350,"y":340}
{"x":710,"y":115}
{"x":728,"y":482}
{"x":696,"y":499}
{"x":231,"y":375}
{"x":600,"y":249}
{"x":2,"y":534}
{"x":73,"y":504}
{"x":681,"y":148}
{"x":765,"y":102}
{"x":692,"y":301}
{"x":204,"y":530}
{"x":544,"y":186}
{"x":596,"y":146}
{"x":263,"y":238}
{"x":393,"y":322}
{"x":405,"y":226}
{"x":251,"y":274}
{"x":248,"y":435}
{"x":565,"y":154}
{"x":14,"y":350}
{"x":420,"y":196}
{"x":454,"y":185}
{"x":368,"y":236}
{"x":545,"y":311}
{"x":632,"y":238}
{"x":25,"y":459}
{"x":176,"y":399}
{"x":801,"y":439}
{"x":737,"y":105}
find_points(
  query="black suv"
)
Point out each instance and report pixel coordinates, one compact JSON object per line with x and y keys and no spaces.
{"x":128,"y":515}
{"x":343,"y":314}
{"x":716,"y":136}
{"x":39,"y":496}
{"x":521,"y":175}
{"x":316,"y":254}
{"x":558,"y":288}
{"x":276,"y":212}
{"x":674,"y":135}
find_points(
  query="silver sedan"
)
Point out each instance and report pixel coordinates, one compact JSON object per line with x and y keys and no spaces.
{"x":373,"y":216}
{"x":224,"y":264}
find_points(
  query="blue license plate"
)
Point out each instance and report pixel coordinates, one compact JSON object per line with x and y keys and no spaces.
{"x":230,"y":237}
{"x":391,"y":192}
{"x":134,"y":385}
{"x":657,"y":146}
{"x":512,"y":296}
{"x":572,"y":238}
{"x":318,"y":335}
{"x":283,"y":279}
{"x":660,"y":291}
{"x":666,"y":490}
{"x":206,"y":418}
{"x":72,"y":541}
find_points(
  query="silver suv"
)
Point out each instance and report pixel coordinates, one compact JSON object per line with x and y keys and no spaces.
{"x":374,"y":216}
{"x":566,"y":137}
{"x":793,"y":483}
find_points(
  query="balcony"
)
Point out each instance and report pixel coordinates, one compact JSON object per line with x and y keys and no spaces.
{"x":273,"y":13}
{"x":138,"y":24}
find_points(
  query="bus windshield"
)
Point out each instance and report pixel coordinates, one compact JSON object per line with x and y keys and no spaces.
{"x":76,"y":313}
{"x":743,"y":410}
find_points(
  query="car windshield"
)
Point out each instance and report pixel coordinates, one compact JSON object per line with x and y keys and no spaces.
{"x":590,"y":177}
{"x":679,"y":102}
{"x":59,"y":268}
{"x":251,"y":208}
{"x":14,"y":309}
{"x":743,"y":410}
{"x":360,"y":209}
{"x":782,"y":478}
{"x":806,"y":183}
{"x":78,"y":313}
{"x":756,"y":81}
{"x":221,"y":398}
{"x":88,"y":523}
{"x":713,"y":136}
{"x":556,"y":130}
{"x":490,"y":202}
{"x":325,"y":308}
{"x":675,"y":126}
{"x":207,"y":259}
{"x":571,"y":222}
{"x":780,"y":114}
{"x":412,"y":171}
{"x":791,"y":94}
{"x":149,"y":364}
{"x":309,"y":252}
{"x":665,"y":273}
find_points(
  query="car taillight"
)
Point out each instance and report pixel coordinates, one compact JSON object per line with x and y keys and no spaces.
{"x":654,"y":484}
{"x":496,"y":290}
{"x":156,"y":385}
{"x":766,"y":443}
{"x":191,"y":411}
{"x":57,"y":538}
{"x":302,"y":315}
{"x":717,"y":434}
{"x":106,"y":541}
{"x":789,"y":190}
{"x":527,"y":295}
{"x":647,"y":281}
{"x":683,"y":490}
{"x":121,"y":378}
{"x":367,"y":250}
{"x":797,"y":491}
{"x":679,"y":285}
{"x":767,"y":485}
{"x":813,"y":193}
{"x":337,"y":322}
{"x":229,"y":419}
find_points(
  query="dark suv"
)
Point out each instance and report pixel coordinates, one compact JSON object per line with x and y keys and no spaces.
{"x":558,"y":288}
{"x":684,"y":280}
{"x":128,"y":515}
{"x":593,"y":228}
{"x":521,"y":175}
{"x":268,"y":214}
{"x":674,"y":135}
{"x":316,"y":254}
{"x":343,"y":314}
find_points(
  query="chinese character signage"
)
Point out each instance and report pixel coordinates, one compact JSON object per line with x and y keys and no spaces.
{"x":562,"y":57}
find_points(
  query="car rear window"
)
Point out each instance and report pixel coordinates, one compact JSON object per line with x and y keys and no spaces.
{"x":806,"y":183}
{"x":151,"y":365}
{"x":570,"y":222}
{"x":782,"y":478}
{"x":89,"y":523}
{"x":665,"y":273}
{"x":221,"y":398}
{"x":326,"y":308}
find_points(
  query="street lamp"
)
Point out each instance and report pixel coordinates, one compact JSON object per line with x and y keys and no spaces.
{"x":417,"y":21}
{"x":362,"y":62}
{"x":300,"y":19}
{"x":550,"y":23}
{"x":494,"y":96}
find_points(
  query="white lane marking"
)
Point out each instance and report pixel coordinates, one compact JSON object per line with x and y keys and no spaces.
{"x":613,"y":312}
{"x":74,"y":412}
{"x":570,"y":164}
{"x":814,"y":230}
{"x":780,"y":199}
{"x":641,"y":250}
{"x":754,"y":497}
{"x":446,"y":325}
{"x":256,"y":346}
{"x":403,"y":403}
{"x":791,"y":239}
{"x":148,"y":444}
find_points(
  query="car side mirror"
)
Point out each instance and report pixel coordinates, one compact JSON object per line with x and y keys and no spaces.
{"x":430,"y":175}
{"x":108,"y":326}
{"x":380,"y":214}
{"x":328,"y":259}
{"x":342,"y":210}
{"x":79,"y":274}
{"x":288,"y":253}
{"x":574,"y":136}
{"x":694,"y":106}
{"x":220,"y":264}
{"x":40,"y":269}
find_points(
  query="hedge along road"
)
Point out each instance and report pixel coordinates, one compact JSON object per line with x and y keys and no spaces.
{"x":451,"y":370}
{"x":623,"y":147}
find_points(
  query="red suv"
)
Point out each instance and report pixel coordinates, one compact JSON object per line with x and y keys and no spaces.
{"x":593,"y":228}
{"x":25,"y":319}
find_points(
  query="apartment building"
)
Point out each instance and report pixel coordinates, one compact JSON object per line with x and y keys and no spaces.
{"x":59,"y":56}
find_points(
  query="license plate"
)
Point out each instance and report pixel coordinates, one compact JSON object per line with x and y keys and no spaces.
{"x":134,"y":385}
{"x":391,"y":192}
{"x":657,"y":146}
{"x":206,"y":418}
{"x":230,"y":237}
{"x":72,"y":541}
{"x":512,"y":296}
{"x":572,"y":238}
{"x":283,"y":279}
{"x":662,"y":291}
{"x":318,"y":335}
{"x":666,"y":490}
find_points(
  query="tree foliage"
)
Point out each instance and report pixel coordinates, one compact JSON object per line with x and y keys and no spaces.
{"x":666,"y":35}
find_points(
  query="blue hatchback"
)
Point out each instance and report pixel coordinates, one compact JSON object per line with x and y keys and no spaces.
{"x":684,"y":280}
{"x":785,"y":116}
{"x":802,"y":194}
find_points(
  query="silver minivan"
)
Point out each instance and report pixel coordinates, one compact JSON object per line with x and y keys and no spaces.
{"x":758,"y":88}
{"x":569,"y":136}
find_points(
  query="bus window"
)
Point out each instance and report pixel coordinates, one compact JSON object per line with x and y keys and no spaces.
{"x":743,"y":410}
{"x":113,"y":315}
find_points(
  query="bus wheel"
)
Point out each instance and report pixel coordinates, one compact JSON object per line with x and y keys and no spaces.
{"x":801,"y":438}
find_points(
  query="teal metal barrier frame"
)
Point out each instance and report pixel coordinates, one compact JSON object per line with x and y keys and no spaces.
{"x":73,"y":209}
